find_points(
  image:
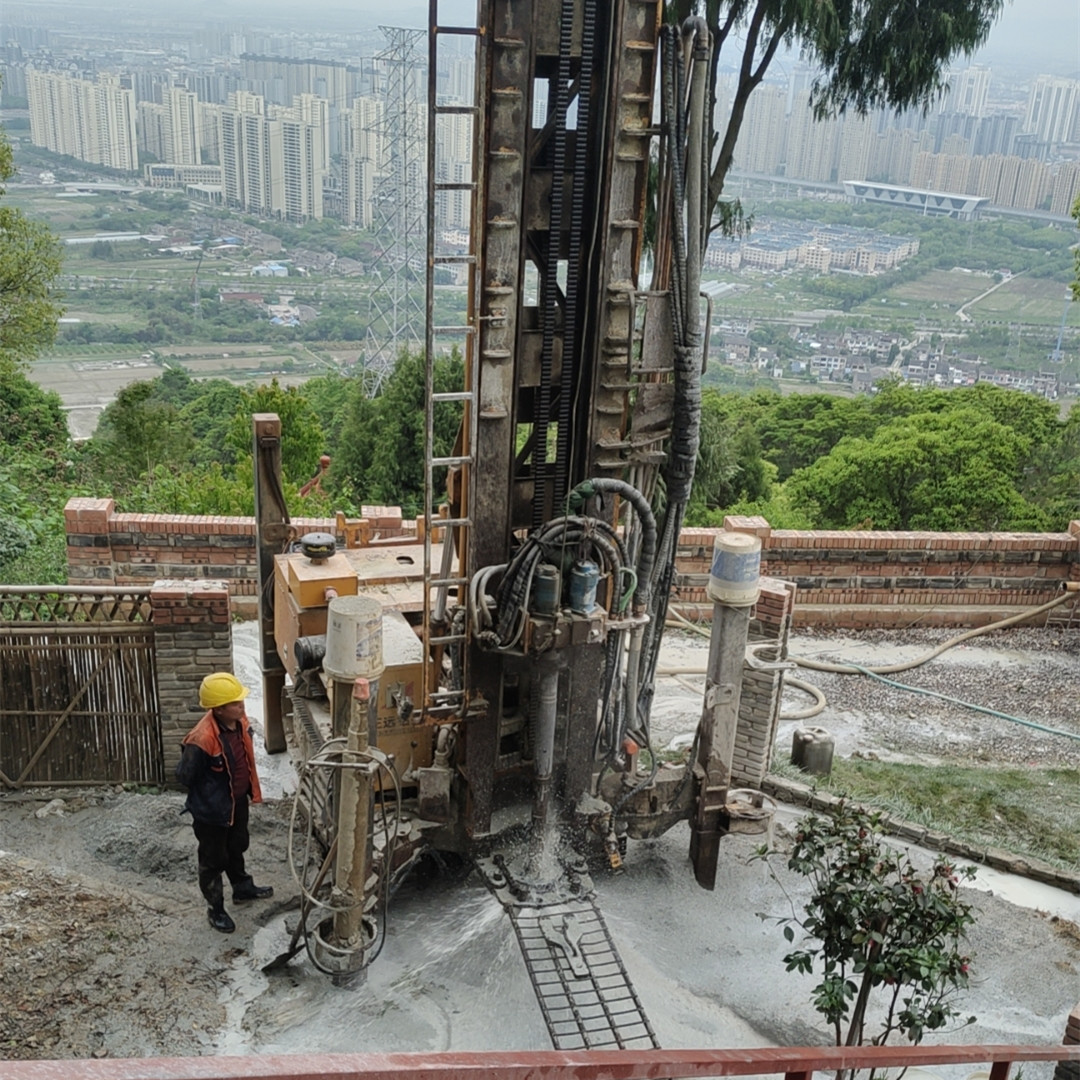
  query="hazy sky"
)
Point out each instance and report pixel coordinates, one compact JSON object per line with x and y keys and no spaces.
{"x":1040,"y":33}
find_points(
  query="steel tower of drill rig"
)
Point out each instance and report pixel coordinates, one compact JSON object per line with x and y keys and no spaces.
{"x":396,"y":302}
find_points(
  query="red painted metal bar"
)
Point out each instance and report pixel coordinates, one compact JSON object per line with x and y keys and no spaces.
{"x":540,"y":1065}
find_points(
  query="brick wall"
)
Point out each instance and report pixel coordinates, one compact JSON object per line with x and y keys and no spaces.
{"x":107,"y":548}
{"x":192,"y":637}
{"x":861,"y":579}
{"x":1070,"y":1070}
{"x":845,"y":579}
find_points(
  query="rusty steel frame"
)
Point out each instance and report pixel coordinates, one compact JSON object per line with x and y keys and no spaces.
{"x":795,"y":1063}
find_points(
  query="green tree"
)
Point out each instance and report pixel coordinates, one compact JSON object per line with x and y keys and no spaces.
{"x":799,"y":429}
{"x":869,"y":54}
{"x":210,"y":417}
{"x":874,"y":922}
{"x":941,"y":471}
{"x":30,"y":264}
{"x":302,"y":438}
{"x":730,"y":465}
{"x":31,"y":418}
{"x":34,"y":482}
{"x":135,"y":434}
{"x":380,"y":454}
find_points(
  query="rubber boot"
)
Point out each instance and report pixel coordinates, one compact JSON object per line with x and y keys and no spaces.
{"x":248,"y":890}
{"x":220,"y":919}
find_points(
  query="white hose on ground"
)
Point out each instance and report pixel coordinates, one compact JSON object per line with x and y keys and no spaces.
{"x":675,"y":619}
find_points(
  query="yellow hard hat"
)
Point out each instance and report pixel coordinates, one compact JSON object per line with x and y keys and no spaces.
{"x":220,"y":688}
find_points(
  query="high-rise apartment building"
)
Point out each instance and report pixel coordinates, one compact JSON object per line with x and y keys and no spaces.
{"x":183,"y":127}
{"x":210,"y":132}
{"x":302,"y":155}
{"x":367,"y":123}
{"x":91,"y":121}
{"x":761,"y":141}
{"x":858,"y":137}
{"x":1066,"y":188}
{"x":316,"y":112}
{"x":150,"y":125}
{"x":968,"y":91}
{"x":811,"y":144}
{"x":1053,"y":111}
{"x":272,"y":164}
{"x":357,"y":189}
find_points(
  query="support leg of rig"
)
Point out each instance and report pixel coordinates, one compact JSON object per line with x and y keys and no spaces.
{"x":716,"y":741}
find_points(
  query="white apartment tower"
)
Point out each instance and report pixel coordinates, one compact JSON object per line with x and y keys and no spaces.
{"x":968,"y":91}
{"x":857,"y":141}
{"x":761,"y":142}
{"x":272,"y":164}
{"x":315,"y":111}
{"x":1053,"y":112}
{"x":366,"y":130}
{"x":358,"y":187}
{"x":183,"y":127}
{"x":91,"y":121}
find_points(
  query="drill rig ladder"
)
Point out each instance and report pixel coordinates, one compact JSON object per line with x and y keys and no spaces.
{"x":450,"y":577}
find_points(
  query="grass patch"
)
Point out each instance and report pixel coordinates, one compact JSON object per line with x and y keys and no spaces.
{"x":1032,"y":812}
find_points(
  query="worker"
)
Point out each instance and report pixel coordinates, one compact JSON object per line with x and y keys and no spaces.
{"x":218,"y":769}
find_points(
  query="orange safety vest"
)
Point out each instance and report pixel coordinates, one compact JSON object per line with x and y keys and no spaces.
{"x":207,"y":737}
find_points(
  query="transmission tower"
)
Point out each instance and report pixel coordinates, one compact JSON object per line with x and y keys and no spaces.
{"x":396,"y":308}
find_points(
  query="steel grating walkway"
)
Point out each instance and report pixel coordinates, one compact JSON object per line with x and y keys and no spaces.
{"x":583,"y":989}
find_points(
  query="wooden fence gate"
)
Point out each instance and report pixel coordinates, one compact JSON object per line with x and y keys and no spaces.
{"x":78,"y":687}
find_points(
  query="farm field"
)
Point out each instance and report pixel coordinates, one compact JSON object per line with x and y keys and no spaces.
{"x":88,"y":377}
{"x":942,"y":288}
{"x":1024,"y":299}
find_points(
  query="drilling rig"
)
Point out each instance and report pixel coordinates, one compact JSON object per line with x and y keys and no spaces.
{"x":483,"y":686}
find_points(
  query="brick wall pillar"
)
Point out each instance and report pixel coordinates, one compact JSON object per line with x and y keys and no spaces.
{"x":1070,"y":1070}
{"x":89,"y":548}
{"x":192,"y":637}
{"x":1074,"y":569}
{"x":759,"y":705}
{"x":751,"y":524}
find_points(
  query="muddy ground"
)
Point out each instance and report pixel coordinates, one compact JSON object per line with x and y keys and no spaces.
{"x":104,"y":948}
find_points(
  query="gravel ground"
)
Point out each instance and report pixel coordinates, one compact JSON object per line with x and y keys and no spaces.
{"x":1026,"y":673}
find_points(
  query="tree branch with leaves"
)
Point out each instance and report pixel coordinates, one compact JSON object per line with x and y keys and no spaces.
{"x":30,"y":264}
{"x":869,"y":54}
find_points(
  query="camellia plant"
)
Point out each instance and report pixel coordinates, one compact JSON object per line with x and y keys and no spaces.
{"x":887,"y":940}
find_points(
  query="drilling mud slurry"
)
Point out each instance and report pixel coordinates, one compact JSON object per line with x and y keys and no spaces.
{"x":708,"y":967}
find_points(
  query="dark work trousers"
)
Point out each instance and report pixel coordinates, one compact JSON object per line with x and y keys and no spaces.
{"x":221,"y":851}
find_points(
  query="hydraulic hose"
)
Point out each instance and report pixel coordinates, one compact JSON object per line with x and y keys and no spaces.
{"x":880,"y":672}
{"x":647,"y":555}
{"x":907,"y":665}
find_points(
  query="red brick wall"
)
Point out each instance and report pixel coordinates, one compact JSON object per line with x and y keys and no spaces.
{"x":1070,"y":1070}
{"x":860,"y":579}
{"x":849,"y":579}
{"x":107,"y":548}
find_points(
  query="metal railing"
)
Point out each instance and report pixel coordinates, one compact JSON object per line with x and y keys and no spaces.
{"x":794,"y":1063}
